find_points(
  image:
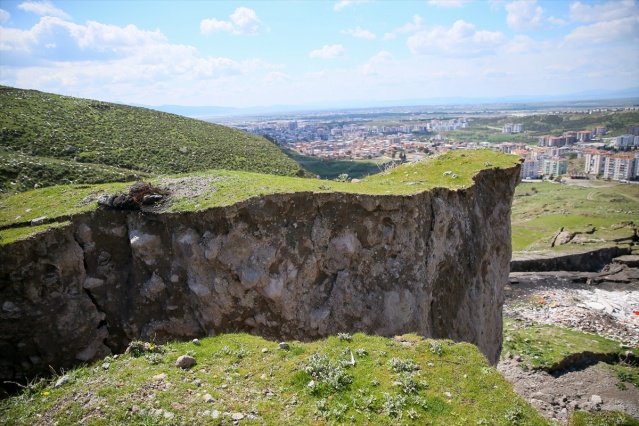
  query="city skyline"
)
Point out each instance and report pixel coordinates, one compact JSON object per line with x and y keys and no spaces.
{"x":248,"y":54}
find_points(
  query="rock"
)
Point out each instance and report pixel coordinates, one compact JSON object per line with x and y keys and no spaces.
{"x":215,"y":414}
{"x":208,"y":398}
{"x":38,"y":221}
{"x":237,"y":416}
{"x":62,"y":381}
{"x":160,"y":376}
{"x":264,"y":350}
{"x":185,"y":361}
{"x":152,"y":199}
{"x":196,"y":342}
{"x":177,"y":406}
{"x":596,"y":399}
{"x":284,"y":345}
{"x":448,"y":394}
{"x":197,"y":382}
{"x":384,"y":260}
{"x":106,"y":366}
{"x":106,"y":200}
{"x":168,"y":414}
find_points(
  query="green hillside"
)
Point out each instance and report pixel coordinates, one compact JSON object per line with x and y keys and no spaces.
{"x":84,"y":135}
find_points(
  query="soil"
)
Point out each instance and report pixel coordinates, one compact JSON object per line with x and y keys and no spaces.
{"x":569,"y":299}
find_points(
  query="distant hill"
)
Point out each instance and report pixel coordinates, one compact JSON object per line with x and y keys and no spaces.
{"x":47,"y":139}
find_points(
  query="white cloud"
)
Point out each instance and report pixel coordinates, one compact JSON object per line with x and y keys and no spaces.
{"x":416,"y":25}
{"x":360,"y":33}
{"x":4,"y":16}
{"x":114,"y":63}
{"x":212,"y":25}
{"x":43,"y":8}
{"x":460,"y":39}
{"x":624,"y":29}
{"x":612,"y":10}
{"x":524,"y":14}
{"x":329,"y":52}
{"x":277,"y":77}
{"x":243,"y":21}
{"x":341,"y":4}
{"x":557,"y":21}
{"x":447,"y":3}
{"x":377,"y":63}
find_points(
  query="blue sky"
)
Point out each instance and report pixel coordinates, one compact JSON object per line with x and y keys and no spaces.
{"x":260,"y":53}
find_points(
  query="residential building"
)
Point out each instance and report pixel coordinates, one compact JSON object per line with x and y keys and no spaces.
{"x":620,"y":167}
{"x":584,"y":136}
{"x":624,"y":141}
{"x":555,"y":167}
{"x":599,"y":131}
{"x":633,"y":130}
{"x":596,"y":162}
{"x":529,"y":168}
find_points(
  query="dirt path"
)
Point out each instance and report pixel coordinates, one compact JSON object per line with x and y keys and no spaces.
{"x":571,"y":302}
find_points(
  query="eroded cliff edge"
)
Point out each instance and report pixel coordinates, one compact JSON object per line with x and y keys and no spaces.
{"x":286,"y":266}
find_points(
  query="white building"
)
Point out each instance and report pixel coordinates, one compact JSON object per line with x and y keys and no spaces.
{"x":620,"y":167}
{"x":624,"y":141}
{"x":595,"y":162}
{"x":530,"y":169}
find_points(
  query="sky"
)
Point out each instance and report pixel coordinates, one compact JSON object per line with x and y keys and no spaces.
{"x":312,"y":52}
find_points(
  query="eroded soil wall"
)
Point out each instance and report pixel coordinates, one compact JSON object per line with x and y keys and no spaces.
{"x":284,"y":266}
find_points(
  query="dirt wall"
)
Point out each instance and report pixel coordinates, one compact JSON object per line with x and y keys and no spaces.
{"x":284,"y":266}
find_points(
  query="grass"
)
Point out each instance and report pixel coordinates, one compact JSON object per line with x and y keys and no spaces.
{"x":82,"y":134}
{"x":227,"y":187}
{"x":546,"y":346}
{"x":331,"y":169}
{"x":602,"y":418}
{"x":389,"y":382}
{"x":540,"y":209}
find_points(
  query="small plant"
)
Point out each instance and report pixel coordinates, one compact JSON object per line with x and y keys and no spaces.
{"x":361,"y":352}
{"x":343,"y":178}
{"x":514,"y":415}
{"x":436,"y":347}
{"x":399,"y":365}
{"x":345,"y":337}
{"x":327,"y":374}
{"x":393,"y":405}
{"x":409,"y":385}
{"x":154,"y":359}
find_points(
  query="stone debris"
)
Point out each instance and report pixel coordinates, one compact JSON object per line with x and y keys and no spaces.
{"x":62,"y":381}
{"x":208,"y":398}
{"x":185,"y":361}
{"x":608,"y":309}
{"x":237,"y":416}
{"x":196,"y":342}
{"x":284,"y":345}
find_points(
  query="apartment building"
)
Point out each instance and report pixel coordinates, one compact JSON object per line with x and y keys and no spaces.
{"x":620,"y":167}
{"x":596,"y":162}
{"x":554,"y":166}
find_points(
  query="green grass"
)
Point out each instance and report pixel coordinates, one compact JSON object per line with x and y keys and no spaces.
{"x":22,"y":172}
{"x":545,"y":346}
{"x":426,"y":383}
{"x":541,"y":209}
{"x":77,"y":131}
{"x":602,"y":418}
{"x":331,"y":169}
{"x":226,"y":188}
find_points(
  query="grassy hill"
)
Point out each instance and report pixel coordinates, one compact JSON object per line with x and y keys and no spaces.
{"x":345,"y":379}
{"x":598,"y":211}
{"x":83,"y":136}
{"x":203,"y":190}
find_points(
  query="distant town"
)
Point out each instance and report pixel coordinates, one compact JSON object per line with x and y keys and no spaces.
{"x":602,"y":155}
